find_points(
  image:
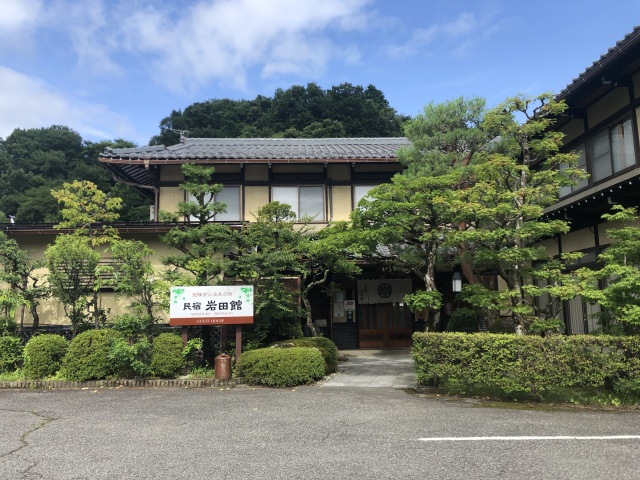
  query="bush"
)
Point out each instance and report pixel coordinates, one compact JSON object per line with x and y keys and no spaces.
{"x":281,"y":367}
{"x":10,"y":353}
{"x":527,"y":367}
{"x":326,"y":347}
{"x":88,"y":356}
{"x":464,"y":319}
{"x":43,"y":355}
{"x":166,"y":356}
{"x":130,"y":360}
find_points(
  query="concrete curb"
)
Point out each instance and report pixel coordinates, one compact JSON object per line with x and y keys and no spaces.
{"x":156,"y":383}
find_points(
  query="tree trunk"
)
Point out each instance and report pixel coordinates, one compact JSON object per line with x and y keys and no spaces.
{"x":307,"y":306}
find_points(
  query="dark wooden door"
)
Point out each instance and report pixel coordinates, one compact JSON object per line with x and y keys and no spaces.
{"x":384,"y":325}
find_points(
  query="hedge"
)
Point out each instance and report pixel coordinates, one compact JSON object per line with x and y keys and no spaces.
{"x":281,"y":367}
{"x":528,"y":367}
{"x":10,"y":353}
{"x":166,"y":356}
{"x":88,"y":356}
{"x":327,"y":348}
{"x":43,"y":355}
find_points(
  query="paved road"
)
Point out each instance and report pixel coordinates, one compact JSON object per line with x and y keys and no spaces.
{"x":392,"y":368}
{"x":302,"y":433}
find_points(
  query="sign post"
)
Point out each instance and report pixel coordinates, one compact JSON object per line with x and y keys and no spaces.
{"x":219,"y":305}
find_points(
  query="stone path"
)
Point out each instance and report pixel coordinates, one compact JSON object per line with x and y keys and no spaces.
{"x":392,"y":368}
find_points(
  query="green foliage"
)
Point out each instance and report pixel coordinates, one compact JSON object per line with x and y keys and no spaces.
{"x":192,"y":352}
{"x":10,"y":353}
{"x":507,"y":189}
{"x":132,"y":274}
{"x":465,"y":319}
{"x":88,"y":356}
{"x":326,"y":347}
{"x":35,"y":161}
{"x":88,"y":211}
{"x":167,"y":360}
{"x":132,"y":327}
{"x":43,"y":355}
{"x":281,"y":367}
{"x":618,"y":272}
{"x":130,"y":360}
{"x":73,"y":263}
{"x":345,"y":110}
{"x":527,"y":367}
{"x":18,"y":271}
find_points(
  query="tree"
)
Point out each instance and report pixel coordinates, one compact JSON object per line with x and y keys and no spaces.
{"x":201,"y":243}
{"x":307,"y":111}
{"x":73,"y":263}
{"x":89,"y":212}
{"x":279,"y":245}
{"x":404,"y":224}
{"x":18,"y":271}
{"x":133,"y":274}
{"x":616,"y":283}
{"x":35,"y":161}
{"x":507,"y":192}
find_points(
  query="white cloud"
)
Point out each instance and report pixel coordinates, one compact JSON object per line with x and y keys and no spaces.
{"x":461,"y":31}
{"x":27,"y":102}
{"x":224,"y":39}
{"x":18,"y":19}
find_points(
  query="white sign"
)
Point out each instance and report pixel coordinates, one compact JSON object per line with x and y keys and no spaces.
{"x":338,"y":309}
{"x":220,"y":305}
{"x":350,"y":305}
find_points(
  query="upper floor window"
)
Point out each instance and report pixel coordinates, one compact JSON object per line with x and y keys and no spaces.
{"x":359,"y":192}
{"x":230,"y":196}
{"x":304,"y":200}
{"x":611,"y":150}
{"x":582,"y":164}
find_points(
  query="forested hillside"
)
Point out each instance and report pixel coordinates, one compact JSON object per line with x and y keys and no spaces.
{"x":37,"y":160}
{"x":344,"y":110}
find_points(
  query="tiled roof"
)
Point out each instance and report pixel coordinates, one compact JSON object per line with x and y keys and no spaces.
{"x":247,"y":149}
{"x":595,"y":71}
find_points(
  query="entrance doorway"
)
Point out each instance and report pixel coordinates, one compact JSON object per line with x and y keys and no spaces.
{"x":384,"y":325}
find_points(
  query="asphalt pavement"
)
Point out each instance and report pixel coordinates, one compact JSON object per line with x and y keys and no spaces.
{"x":312,"y":432}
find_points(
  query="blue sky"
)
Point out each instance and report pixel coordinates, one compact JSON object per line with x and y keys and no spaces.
{"x":113,"y":69}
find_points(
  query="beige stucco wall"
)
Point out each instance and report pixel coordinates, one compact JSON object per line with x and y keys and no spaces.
{"x":254,"y":198}
{"x":340,"y":203}
{"x":607,"y":106}
{"x":169,"y":198}
{"x":578,"y":240}
{"x":573,"y":129}
{"x":602,"y":230}
{"x":551,"y":247}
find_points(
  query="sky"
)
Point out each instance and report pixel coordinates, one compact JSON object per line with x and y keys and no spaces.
{"x":114,"y":69}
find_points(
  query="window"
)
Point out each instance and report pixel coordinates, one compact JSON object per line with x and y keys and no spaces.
{"x":230,"y":196}
{"x":582,"y":164}
{"x":304,"y":201}
{"x":359,"y":192}
{"x":611,"y":150}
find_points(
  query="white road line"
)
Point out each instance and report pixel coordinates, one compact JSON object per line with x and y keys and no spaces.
{"x":529,"y":438}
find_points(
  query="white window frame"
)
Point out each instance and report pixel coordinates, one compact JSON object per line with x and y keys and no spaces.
{"x":222,"y":216}
{"x":278,"y":192}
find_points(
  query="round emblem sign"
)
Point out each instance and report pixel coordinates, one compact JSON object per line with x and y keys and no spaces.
{"x":384,"y":290}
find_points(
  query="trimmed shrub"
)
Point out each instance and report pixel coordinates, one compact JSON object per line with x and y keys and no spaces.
{"x":326,"y":347}
{"x":43,"y":355}
{"x":166,"y":355}
{"x":527,"y":367}
{"x":130,"y":360}
{"x":10,"y":353}
{"x":88,"y":356}
{"x":281,"y":367}
{"x":464,"y":319}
